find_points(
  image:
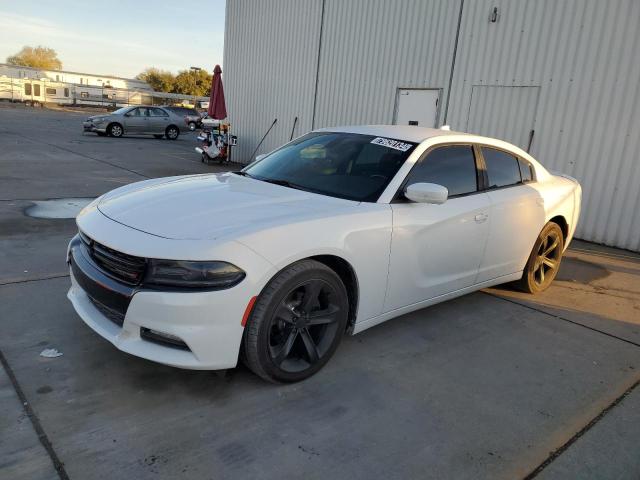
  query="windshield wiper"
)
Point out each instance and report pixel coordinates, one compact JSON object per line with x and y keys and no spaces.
{"x":243,"y":174}
{"x":281,"y":182}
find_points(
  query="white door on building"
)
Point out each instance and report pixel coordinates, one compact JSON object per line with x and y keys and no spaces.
{"x":417,"y":107}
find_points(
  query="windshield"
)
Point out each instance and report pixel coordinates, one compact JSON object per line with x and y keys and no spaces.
{"x":345,"y":165}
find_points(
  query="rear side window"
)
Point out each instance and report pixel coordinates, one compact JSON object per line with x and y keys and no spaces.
{"x":452,"y":166}
{"x":526,"y":170}
{"x":502,"y":168}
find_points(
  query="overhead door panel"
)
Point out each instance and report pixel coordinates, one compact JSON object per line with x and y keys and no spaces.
{"x":504,"y":112}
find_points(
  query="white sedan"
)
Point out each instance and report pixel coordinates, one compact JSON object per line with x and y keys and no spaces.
{"x":333,"y":233}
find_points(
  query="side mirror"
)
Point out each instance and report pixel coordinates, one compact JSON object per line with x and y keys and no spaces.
{"x":426,"y":193}
{"x":260,"y":157}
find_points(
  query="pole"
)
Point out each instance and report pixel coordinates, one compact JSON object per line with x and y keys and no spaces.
{"x":194,"y":69}
{"x":275,"y":120}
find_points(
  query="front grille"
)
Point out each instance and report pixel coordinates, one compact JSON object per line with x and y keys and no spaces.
{"x":121,"y":266}
{"x":114,"y":315}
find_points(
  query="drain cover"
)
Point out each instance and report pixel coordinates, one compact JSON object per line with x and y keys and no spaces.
{"x":58,"y":208}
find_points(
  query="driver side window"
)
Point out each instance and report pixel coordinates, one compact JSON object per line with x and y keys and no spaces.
{"x":452,"y":166}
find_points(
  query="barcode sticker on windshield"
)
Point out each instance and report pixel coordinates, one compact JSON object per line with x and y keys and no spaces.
{"x":395,"y":144}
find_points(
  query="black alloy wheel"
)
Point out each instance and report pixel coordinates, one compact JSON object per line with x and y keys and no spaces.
{"x":296,"y":323}
{"x":304,"y":326}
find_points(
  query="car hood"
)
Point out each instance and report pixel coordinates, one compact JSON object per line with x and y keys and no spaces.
{"x":96,"y":117}
{"x":200,"y":207}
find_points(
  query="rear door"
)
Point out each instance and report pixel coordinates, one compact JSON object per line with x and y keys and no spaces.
{"x":158,"y":120}
{"x":517,"y":213}
{"x":437,"y":249}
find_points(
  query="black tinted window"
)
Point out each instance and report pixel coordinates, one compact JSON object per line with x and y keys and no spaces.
{"x":502,"y":168}
{"x":526,"y":170}
{"x":453,"y":167}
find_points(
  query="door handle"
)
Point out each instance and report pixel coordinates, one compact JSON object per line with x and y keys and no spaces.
{"x":481,"y":217}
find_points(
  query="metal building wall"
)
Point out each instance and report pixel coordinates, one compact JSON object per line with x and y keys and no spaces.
{"x":584,"y":56}
{"x":370,"y":48}
{"x":270,"y":63}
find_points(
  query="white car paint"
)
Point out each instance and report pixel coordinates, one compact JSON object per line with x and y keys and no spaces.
{"x":405,"y":255}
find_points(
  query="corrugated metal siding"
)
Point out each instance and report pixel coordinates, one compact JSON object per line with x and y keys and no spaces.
{"x":270,"y":62}
{"x":370,"y":48}
{"x":508,"y":113}
{"x":584,"y":55}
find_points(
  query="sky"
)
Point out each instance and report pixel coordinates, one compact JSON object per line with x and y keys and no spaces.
{"x":117,"y":37}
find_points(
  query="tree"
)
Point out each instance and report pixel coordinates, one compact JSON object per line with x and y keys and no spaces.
{"x":38,"y":57}
{"x":189,"y":82}
{"x":160,"y":80}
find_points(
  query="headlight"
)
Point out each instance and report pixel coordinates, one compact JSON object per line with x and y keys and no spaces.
{"x":98,"y":120}
{"x":188,"y":274}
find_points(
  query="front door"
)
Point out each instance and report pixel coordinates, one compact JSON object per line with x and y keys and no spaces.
{"x":417,"y":106}
{"x":136,"y":120}
{"x":437,"y":249}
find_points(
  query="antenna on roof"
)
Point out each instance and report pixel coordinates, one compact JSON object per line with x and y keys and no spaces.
{"x":446,"y":128}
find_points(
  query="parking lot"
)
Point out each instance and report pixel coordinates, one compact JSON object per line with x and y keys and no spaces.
{"x":496,"y":384}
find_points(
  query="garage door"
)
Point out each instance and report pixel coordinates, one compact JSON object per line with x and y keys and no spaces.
{"x":507,"y":113}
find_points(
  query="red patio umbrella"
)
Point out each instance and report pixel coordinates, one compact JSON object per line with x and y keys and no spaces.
{"x":217,"y":108}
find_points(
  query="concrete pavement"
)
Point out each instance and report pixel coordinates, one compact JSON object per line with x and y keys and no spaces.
{"x":495,"y":384}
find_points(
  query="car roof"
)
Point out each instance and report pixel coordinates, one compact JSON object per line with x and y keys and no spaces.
{"x":407,"y":133}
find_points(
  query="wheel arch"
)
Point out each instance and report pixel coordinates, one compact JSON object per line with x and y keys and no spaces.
{"x":562,"y":223}
{"x":341,"y":267}
{"x":347,"y":274}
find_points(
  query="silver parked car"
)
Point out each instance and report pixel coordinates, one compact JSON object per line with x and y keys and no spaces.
{"x":192,"y":117}
{"x":142,"y":120}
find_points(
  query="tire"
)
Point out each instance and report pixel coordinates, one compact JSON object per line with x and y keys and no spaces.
{"x":115,"y":130}
{"x":172,"y":132}
{"x":296,"y":323}
{"x":192,"y":126}
{"x":158,"y":136}
{"x":544,"y":260}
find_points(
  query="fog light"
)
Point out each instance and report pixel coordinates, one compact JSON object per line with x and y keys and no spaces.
{"x":163,"y":338}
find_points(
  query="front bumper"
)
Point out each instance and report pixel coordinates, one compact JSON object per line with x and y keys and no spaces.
{"x":90,"y":127}
{"x":209,"y":322}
